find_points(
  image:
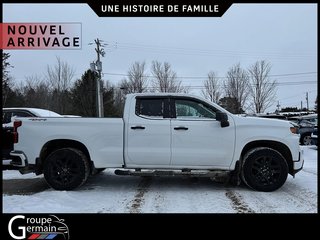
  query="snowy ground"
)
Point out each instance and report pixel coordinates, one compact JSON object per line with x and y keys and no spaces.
{"x":108,"y":193}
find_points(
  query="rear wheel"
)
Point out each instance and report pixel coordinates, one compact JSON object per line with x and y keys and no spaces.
{"x":305,"y":139}
{"x":264,"y":169}
{"x":66,"y":169}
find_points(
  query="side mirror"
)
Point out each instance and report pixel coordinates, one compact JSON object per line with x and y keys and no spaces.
{"x":222,"y":118}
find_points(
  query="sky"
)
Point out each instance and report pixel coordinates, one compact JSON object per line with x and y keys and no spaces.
{"x":285,"y":35}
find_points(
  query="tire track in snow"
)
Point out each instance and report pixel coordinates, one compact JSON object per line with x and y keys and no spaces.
{"x":237,"y":202}
{"x":308,"y":171}
{"x":24,"y":186}
{"x":302,"y":197}
{"x":158,"y":202}
{"x":138,"y":200}
{"x":288,"y":199}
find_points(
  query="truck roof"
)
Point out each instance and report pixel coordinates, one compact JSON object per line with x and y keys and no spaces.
{"x":162,"y":94}
{"x":132,"y":95}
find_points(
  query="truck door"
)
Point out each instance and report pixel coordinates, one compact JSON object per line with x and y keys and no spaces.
{"x":197,"y":138}
{"x":148,"y":137}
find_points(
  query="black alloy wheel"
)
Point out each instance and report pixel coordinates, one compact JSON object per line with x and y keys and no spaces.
{"x":66,"y":169}
{"x":264,"y":169}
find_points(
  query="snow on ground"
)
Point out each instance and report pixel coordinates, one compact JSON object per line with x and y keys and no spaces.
{"x":12,"y":174}
{"x":108,"y":193}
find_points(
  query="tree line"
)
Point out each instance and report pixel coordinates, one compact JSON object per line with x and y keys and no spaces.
{"x":239,"y":91}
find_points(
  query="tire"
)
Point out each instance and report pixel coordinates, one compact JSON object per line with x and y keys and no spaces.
{"x":305,"y":139}
{"x":264,"y":169}
{"x":66,"y":169}
{"x":99,"y":170}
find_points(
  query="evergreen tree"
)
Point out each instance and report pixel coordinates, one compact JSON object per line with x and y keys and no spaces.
{"x":83,"y":95}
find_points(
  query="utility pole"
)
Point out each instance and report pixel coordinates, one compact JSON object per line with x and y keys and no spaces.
{"x":278,"y":106}
{"x":97,"y":66}
{"x":307,"y":98}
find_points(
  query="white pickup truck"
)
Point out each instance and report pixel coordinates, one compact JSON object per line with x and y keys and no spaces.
{"x":160,"y":134}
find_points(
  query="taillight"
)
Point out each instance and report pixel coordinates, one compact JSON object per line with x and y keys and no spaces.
{"x":16,"y":124}
{"x":294,"y":130}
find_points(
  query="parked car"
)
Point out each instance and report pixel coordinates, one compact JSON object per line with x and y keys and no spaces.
{"x":8,"y":113}
{"x":314,"y":137}
{"x":307,"y":124}
{"x":295,"y":127}
{"x":7,"y":138}
{"x":275,"y":116}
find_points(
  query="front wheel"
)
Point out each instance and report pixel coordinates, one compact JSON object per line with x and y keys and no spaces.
{"x":66,"y":169}
{"x":264,"y":169}
{"x":99,"y":170}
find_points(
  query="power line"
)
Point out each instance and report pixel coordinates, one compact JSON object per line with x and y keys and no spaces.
{"x":219,"y":85}
{"x":295,"y":96}
{"x":206,"y":52}
{"x":291,"y":83}
{"x":293,"y":74}
{"x":205,"y":77}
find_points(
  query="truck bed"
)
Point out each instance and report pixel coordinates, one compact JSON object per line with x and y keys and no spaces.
{"x":104,"y":134}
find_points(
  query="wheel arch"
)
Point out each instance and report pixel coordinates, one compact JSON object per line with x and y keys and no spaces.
{"x":53,"y":145}
{"x":278,"y":146}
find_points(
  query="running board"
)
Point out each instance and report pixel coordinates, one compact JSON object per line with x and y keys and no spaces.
{"x":214,"y":174}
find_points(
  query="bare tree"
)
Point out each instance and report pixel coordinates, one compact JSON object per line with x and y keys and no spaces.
{"x":123,"y":88}
{"x":165,"y":78}
{"x":59,"y":78}
{"x":262,"y":88}
{"x":35,"y":92}
{"x":126,"y":87}
{"x":211,"y":89}
{"x":119,"y":98}
{"x":137,"y":80}
{"x":237,"y":85}
{"x":231,"y":104}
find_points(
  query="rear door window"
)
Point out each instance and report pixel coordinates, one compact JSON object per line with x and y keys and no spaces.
{"x":151,"y":108}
